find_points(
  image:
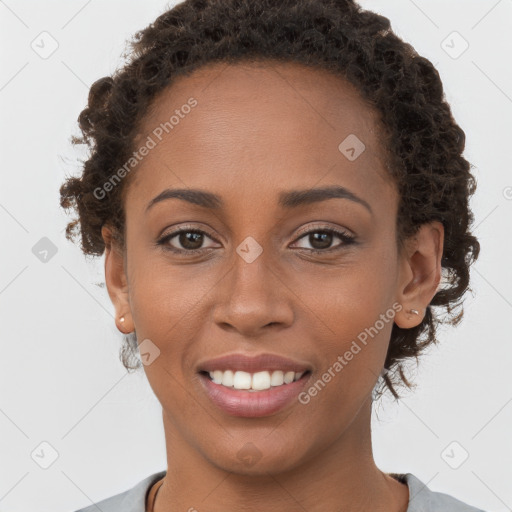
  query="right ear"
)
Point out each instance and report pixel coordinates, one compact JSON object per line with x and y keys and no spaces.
{"x":116,"y":281}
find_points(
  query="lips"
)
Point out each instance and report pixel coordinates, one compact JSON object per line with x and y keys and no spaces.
{"x":252,"y":404}
{"x":253,"y":364}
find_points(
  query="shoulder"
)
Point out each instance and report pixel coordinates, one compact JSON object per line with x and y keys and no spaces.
{"x":131,"y":500}
{"x":423,"y":499}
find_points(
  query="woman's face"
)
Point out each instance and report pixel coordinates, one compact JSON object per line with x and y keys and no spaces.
{"x":263,"y":138}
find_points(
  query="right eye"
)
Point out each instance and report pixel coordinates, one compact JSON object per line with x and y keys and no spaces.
{"x":190,"y":240}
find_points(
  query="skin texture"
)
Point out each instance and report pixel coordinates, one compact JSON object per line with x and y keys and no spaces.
{"x":260,"y":129}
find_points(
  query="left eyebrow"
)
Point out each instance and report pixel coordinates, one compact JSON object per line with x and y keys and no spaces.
{"x":295,"y":198}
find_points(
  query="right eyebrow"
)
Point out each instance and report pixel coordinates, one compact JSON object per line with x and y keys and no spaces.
{"x":194,"y":196}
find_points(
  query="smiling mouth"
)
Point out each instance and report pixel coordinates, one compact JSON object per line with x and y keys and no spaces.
{"x":254,"y":382}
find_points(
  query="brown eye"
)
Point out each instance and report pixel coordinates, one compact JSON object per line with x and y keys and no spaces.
{"x":185,"y":241}
{"x":190,"y":239}
{"x":322,"y":239}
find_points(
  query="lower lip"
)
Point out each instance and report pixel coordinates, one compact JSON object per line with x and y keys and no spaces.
{"x":252,"y":404}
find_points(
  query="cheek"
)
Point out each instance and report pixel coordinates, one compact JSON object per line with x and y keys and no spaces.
{"x":351,"y":317}
{"x":164,"y":297}
{"x":164,"y":308}
{"x":352,"y":352}
{"x":168,"y":307}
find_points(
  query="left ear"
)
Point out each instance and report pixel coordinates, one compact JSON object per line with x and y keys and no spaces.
{"x":420,"y":273}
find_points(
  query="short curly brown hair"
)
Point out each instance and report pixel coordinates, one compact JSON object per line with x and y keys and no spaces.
{"x":422,"y":139}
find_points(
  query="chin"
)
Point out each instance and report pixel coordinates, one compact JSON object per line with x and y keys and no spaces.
{"x":258,"y":458}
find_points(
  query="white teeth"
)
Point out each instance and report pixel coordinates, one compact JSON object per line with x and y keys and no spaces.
{"x":288,"y":377}
{"x":277,"y":378}
{"x":227,"y":378}
{"x":242,"y":380}
{"x":216,"y":376}
{"x":258,"y":381}
{"x":261,"y":380}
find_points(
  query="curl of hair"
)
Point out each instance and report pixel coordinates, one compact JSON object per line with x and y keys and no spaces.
{"x":423,"y":142}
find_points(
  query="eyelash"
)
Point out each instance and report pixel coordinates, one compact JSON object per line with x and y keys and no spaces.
{"x":346,"y":238}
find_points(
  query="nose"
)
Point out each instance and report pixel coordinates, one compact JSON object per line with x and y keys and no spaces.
{"x":253,"y":297}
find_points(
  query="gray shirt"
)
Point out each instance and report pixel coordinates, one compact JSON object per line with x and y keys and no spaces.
{"x":421,"y":498}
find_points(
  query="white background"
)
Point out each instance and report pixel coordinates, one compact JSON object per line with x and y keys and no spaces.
{"x":61,"y":380}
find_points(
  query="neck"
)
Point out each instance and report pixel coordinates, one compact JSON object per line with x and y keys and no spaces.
{"x":341,"y":476}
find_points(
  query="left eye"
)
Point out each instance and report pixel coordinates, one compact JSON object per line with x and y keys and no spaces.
{"x":321,"y":239}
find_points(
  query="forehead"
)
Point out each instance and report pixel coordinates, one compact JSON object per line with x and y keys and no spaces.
{"x":267,"y":122}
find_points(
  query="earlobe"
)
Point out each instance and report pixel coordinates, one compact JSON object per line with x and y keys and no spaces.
{"x":116,"y":282}
{"x":420,"y":273}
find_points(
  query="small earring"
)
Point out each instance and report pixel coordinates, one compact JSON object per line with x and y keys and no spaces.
{"x":121,"y":319}
{"x":414,"y":311}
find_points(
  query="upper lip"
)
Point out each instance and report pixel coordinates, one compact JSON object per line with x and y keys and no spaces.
{"x":252,"y":364}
